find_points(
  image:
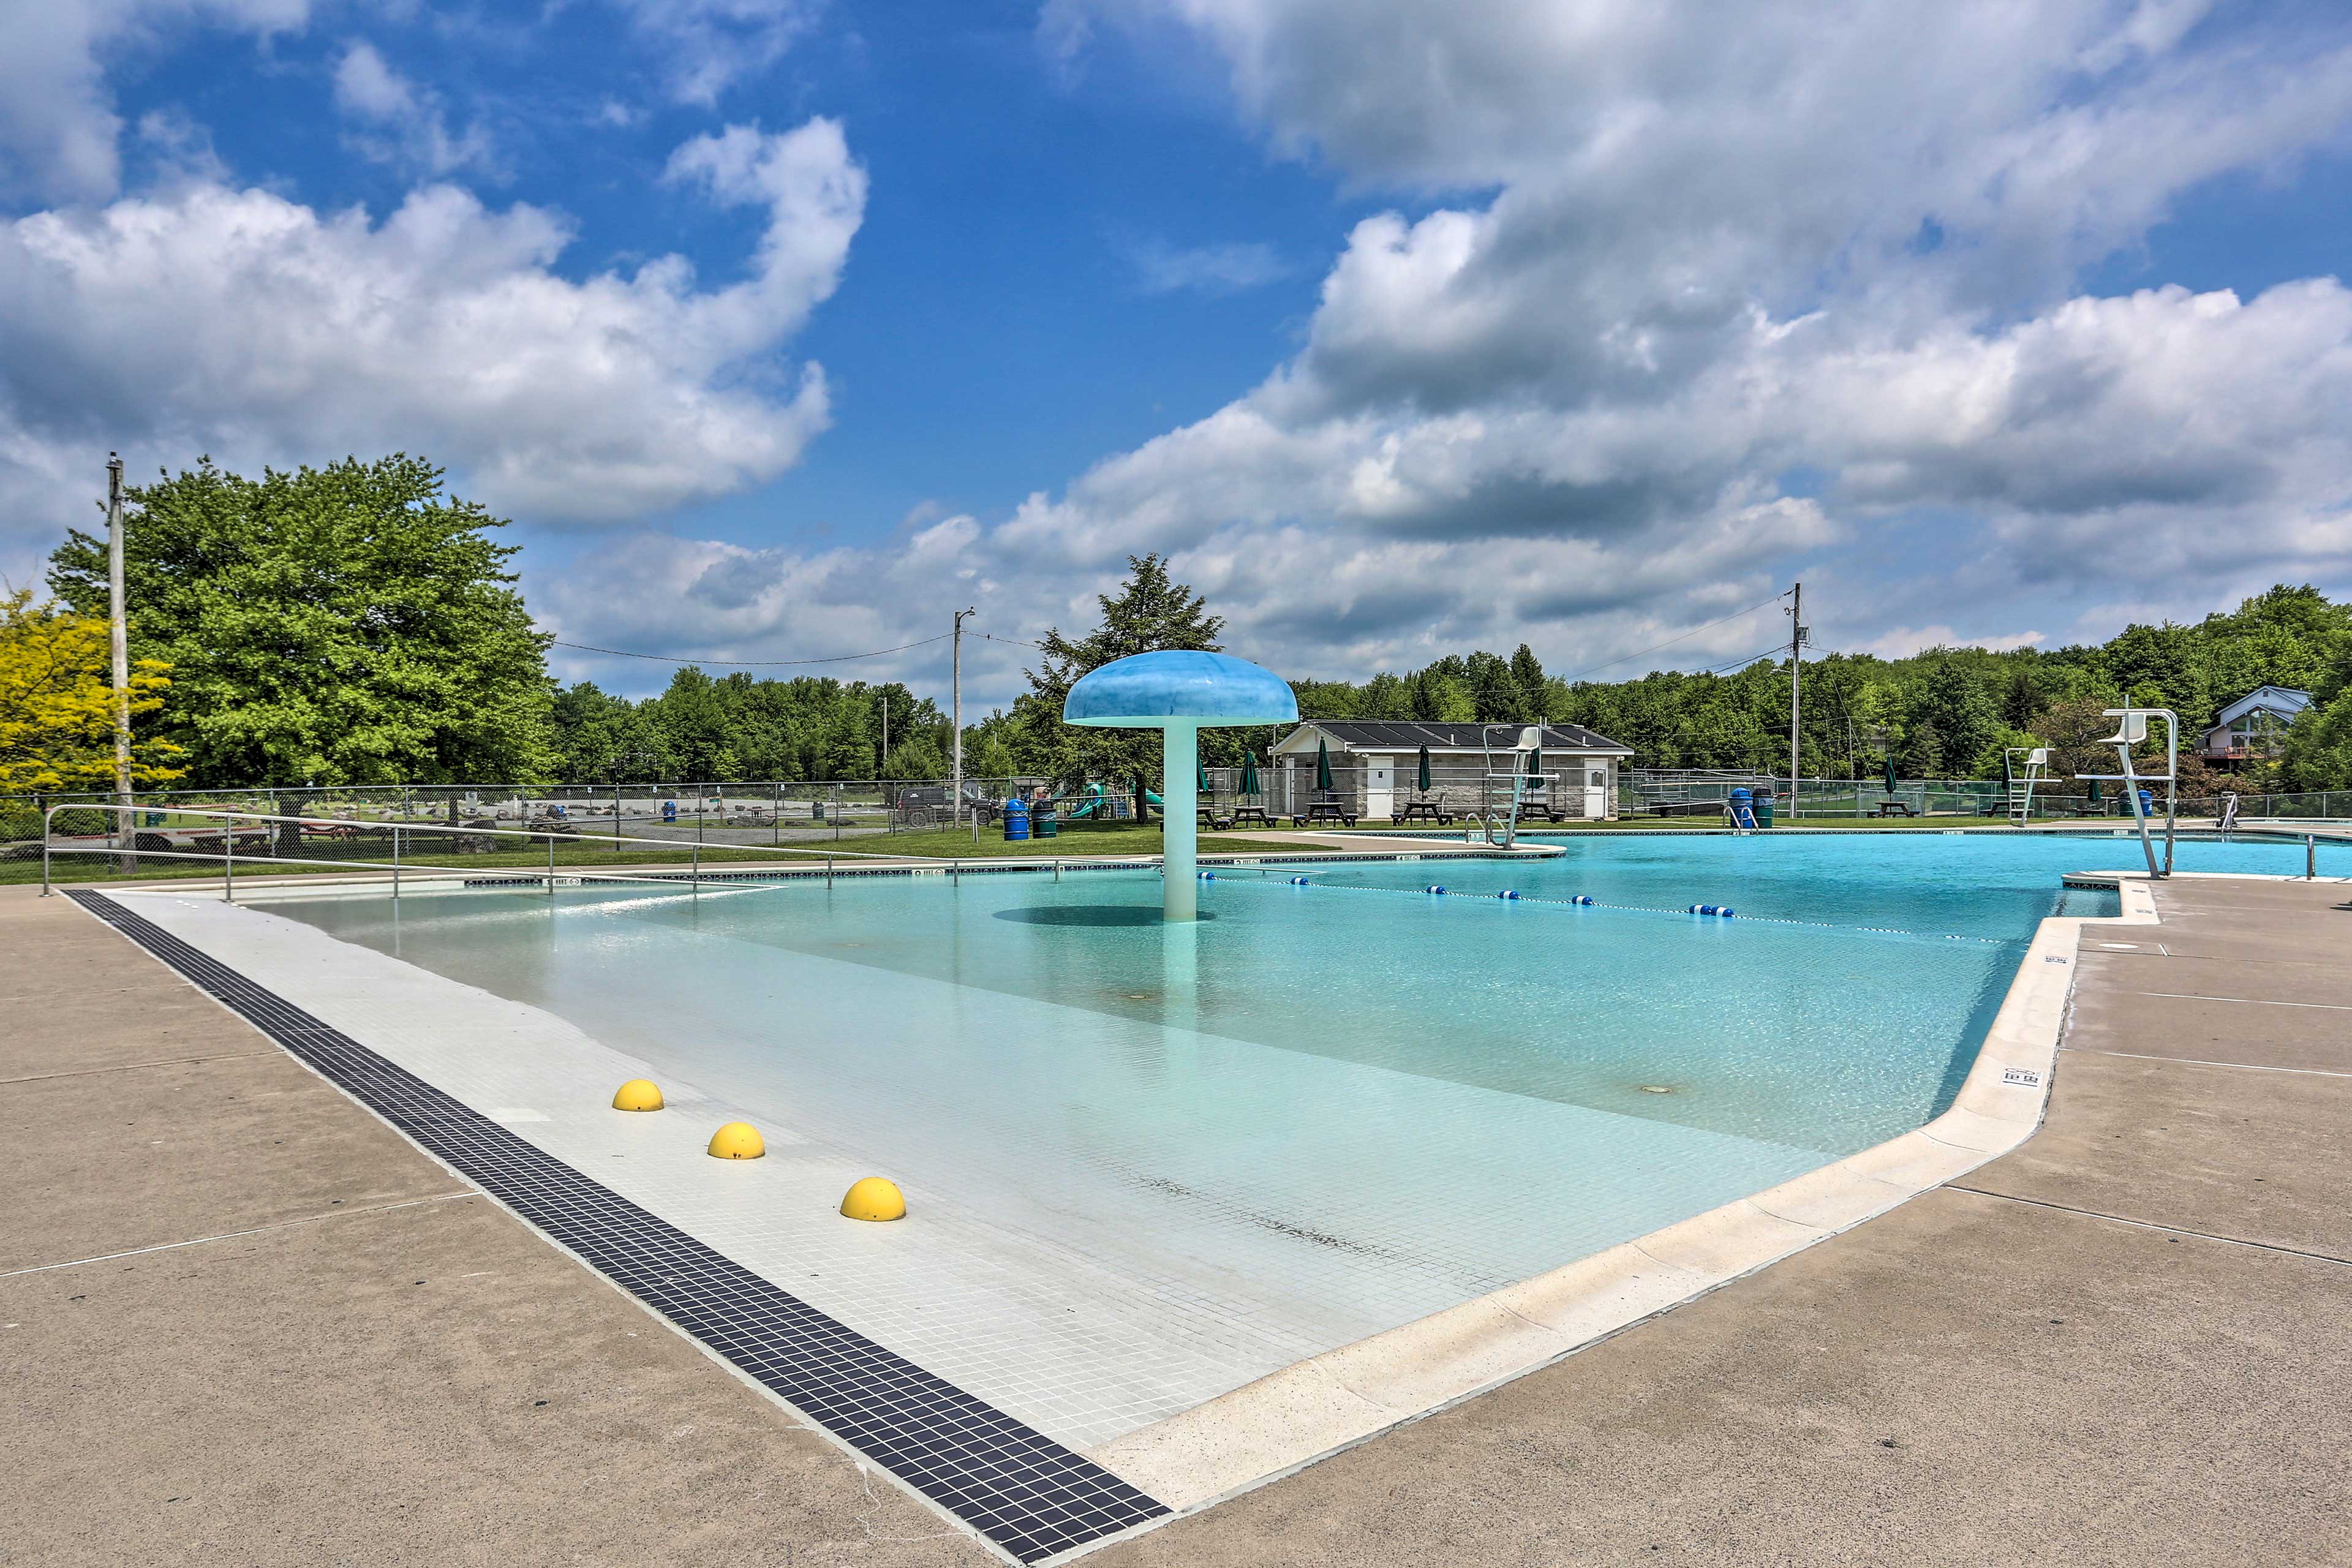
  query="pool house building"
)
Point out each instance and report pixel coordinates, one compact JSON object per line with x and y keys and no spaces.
{"x":1375,"y":766}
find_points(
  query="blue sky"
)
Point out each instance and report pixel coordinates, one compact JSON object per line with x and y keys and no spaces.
{"x":1403,"y":333}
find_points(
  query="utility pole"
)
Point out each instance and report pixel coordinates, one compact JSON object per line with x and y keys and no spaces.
{"x":118,"y":634}
{"x":886,"y":730}
{"x":956,"y":721}
{"x":1796,"y":676}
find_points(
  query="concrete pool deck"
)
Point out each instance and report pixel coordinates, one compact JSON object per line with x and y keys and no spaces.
{"x":283,"y":1392}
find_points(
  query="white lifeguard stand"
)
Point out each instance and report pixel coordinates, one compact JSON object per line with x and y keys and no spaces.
{"x":2130,"y":732}
{"x":1500,"y":793}
{"x":2020,"y":785}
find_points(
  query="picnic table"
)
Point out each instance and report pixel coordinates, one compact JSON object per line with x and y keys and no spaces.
{"x":1255,"y":813}
{"x":215,"y":844}
{"x":1422,"y":811}
{"x":1214,"y":818}
{"x":1324,"y":811}
{"x":1893,"y":808}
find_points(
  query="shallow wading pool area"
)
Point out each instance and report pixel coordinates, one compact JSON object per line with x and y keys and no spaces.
{"x":1147,"y":1163}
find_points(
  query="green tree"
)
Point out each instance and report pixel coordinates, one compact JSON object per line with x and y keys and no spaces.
{"x":345,"y":625}
{"x":1528,"y":670}
{"x":1151,"y":612}
{"x":592,"y":733}
{"x":2318,"y":750}
{"x":1495,"y":694}
{"x":1953,"y":701}
{"x":2073,"y":728}
{"x":57,"y":702}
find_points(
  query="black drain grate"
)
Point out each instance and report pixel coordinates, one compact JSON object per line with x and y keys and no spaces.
{"x":1014,"y":1484}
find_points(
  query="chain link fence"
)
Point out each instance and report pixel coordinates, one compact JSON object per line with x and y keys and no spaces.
{"x":627,"y":822}
{"x":1702,"y":794}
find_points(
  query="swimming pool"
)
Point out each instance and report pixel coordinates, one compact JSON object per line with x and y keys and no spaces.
{"x":1325,"y":1109}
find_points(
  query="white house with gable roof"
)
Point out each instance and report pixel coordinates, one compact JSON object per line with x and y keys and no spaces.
{"x":2251,"y":727}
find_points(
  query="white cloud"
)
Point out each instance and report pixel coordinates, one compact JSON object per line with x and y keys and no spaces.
{"x":712,"y":44}
{"x":60,"y":134}
{"x":1664,"y":256}
{"x":1902,"y":642}
{"x":1843,"y":239}
{"x":236,"y":322}
{"x":1230,"y":268}
{"x":401,"y":124}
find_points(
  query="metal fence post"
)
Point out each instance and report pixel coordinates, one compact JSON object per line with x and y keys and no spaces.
{"x":46,"y":824}
{"x":695,"y":880}
{"x":776,"y":812}
{"x":228,"y":858}
{"x":395,"y":861}
{"x":2311,"y":857}
{"x":550,"y":865}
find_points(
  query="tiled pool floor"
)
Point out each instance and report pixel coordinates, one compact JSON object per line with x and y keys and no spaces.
{"x":1086,"y":1314}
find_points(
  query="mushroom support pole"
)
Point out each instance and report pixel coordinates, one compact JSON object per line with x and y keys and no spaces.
{"x":1180,"y":760}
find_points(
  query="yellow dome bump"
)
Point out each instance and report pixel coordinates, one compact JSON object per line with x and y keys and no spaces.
{"x":638,"y":1094}
{"x":737,"y":1141}
{"x":873,"y":1197}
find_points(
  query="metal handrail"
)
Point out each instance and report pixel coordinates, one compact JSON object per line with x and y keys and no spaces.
{"x":400,"y":830}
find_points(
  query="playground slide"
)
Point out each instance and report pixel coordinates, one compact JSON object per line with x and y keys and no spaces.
{"x":1095,"y":801}
{"x":1099,"y":799}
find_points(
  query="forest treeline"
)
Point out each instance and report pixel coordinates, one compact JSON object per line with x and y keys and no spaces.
{"x":1947,"y":712}
{"x":356,"y":624}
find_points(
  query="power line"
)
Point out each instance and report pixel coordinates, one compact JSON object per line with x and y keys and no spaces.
{"x":1671,"y":641}
{"x":1738,"y":663}
{"x":746,"y":663}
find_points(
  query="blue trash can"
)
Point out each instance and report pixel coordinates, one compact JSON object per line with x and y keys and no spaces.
{"x":1741,"y":806}
{"x":669,"y":810}
{"x":1016,"y":820}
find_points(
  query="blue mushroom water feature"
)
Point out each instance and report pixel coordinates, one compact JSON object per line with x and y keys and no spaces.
{"x":1180,"y":692}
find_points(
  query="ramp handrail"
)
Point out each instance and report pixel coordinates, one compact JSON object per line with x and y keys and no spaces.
{"x":399,"y":831}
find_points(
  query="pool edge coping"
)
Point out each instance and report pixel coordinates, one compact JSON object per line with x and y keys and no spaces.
{"x":1329,"y":1403}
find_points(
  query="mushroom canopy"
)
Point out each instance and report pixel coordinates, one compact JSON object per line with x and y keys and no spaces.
{"x":1180,"y":686}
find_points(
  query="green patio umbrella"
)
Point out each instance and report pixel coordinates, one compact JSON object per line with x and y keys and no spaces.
{"x":1201,"y":775}
{"x":2095,"y":792}
{"x":1249,"y":773}
{"x":1323,"y":765}
{"x":1890,"y":773}
{"x":1142,"y":815}
{"x":1422,"y":776}
{"x":1535,"y":760}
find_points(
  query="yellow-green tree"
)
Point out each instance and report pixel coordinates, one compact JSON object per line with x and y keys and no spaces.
{"x":57,"y":705}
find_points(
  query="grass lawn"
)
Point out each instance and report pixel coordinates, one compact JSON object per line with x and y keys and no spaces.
{"x":1075,"y":839}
